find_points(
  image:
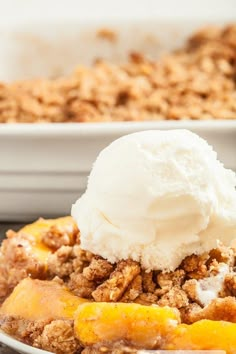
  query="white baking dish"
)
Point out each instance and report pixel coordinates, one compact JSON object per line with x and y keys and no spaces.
{"x":44,"y":168}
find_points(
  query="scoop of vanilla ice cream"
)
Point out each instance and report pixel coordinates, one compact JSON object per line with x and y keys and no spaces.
{"x":157,"y":197}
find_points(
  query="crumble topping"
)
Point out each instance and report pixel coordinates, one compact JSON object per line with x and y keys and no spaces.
{"x":58,"y":337}
{"x":230,"y":284}
{"x":17,"y":262}
{"x":99,"y":269}
{"x":176,"y":297}
{"x":55,"y":336}
{"x":95,"y":278}
{"x":57,"y":236}
{"x":119,"y":280}
{"x":195,"y":82}
{"x":220,"y":309}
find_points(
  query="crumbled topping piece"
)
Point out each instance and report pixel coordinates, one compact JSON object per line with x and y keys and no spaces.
{"x":168,"y":280}
{"x":133,"y":290}
{"x":81,"y":258}
{"x":60,"y":262}
{"x":175,"y":297}
{"x":147,"y":299}
{"x":113,"y":288}
{"x":195,"y":266}
{"x":22,"y":329}
{"x":17,"y":261}
{"x":188,"y":311}
{"x":149,"y":285}
{"x":223,"y":254}
{"x":217,"y":310}
{"x":230,"y":284}
{"x":57,"y":236}
{"x":58,"y":337}
{"x":99,"y":269}
{"x":66,"y":260}
{"x":81,"y":286}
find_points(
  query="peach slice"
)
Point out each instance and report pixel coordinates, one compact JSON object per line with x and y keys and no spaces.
{"x":38,"y":300}
{"x":142,"y":326}
{"x":204,"y":335}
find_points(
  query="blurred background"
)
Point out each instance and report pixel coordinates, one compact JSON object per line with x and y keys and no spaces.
{"x":48,"y":38}
{"x":22,"y":10}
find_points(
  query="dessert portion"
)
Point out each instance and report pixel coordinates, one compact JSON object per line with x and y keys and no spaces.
{"x":151,"y":264}
{"x":195,"y":82}
{"x":156,"y":197}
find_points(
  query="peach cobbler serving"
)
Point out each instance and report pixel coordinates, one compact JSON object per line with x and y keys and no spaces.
{"x":147,"y":260}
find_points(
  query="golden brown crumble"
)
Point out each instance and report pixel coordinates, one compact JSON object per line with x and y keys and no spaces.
{"x":146,"y":299}
{"x":218,"y":310}
{"x":98,"y":269}
{"x":60,"y":263}
{"x":17,"y":262}
{"x":67,"y":259}
{"x":148,"y":284}
{"x":58,"y":337}
{"x":81,"y":286}
{"x":176,"y":297}
{"x":195,"y":82}
{"x":168,"y":280}
{"x":23,"y":329}
{"x":133,"y":290}
{"x":113,"y":288}
{"x":56,"y":237}
{"x":93,"y":277}
{"x":196,"y":267}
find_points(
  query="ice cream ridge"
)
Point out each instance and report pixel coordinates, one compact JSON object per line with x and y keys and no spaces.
{"x":157,"y":197}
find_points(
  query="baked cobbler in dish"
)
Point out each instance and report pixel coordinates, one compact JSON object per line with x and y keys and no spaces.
{"x":195,"y":82}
